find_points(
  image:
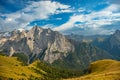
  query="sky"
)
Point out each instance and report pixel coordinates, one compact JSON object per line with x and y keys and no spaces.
{"x":82,"y":17}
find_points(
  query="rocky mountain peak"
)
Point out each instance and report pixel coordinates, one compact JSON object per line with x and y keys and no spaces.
{"x":117,"y":32}
{"x":36,"y":28}
{"x":39,"y":43}
{"x":116,"y":35}
{"x":115,"y":39}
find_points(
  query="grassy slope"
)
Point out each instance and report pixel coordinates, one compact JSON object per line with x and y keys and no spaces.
{"x":102,"y":70}
{"x":11,"y":68}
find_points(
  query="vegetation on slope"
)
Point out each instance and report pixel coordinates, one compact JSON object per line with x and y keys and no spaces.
{"x":102,"y":70}
{"x":21,"y":57}
{"x":80,"y":59}
{"x":53,"y":73}
{"x":11,"y":68}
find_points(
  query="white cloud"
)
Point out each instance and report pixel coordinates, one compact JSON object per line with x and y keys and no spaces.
{"x":58,"y":18}
{"x":43,"y":9}
{"x":34,"y":11}
{"x":70,"y":23}
{"x":107,"y":16}
{"x":81,"y":10}
{"x":113,"y":8}
{"x":9,"y":19}
{"x":65,"y":11}
{"x":48,"y":26}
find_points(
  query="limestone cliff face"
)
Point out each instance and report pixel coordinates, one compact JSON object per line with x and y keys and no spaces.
{"x":115,"y":39}
{"x":39,"y":43}
{"x":111,"y":44}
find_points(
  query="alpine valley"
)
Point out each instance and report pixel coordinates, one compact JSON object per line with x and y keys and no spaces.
{"x":44,"y":54}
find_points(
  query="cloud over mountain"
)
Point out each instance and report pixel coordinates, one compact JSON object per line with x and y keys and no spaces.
{"x":35,"y":11}
{"x":88,"y":16}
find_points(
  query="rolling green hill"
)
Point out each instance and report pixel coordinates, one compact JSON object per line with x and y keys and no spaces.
{"x":11,"y":68}
{"x":102,"y":70}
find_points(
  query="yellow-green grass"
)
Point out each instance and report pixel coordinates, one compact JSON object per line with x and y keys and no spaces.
{"x":11,"y":68}
{"x":102,"y":70}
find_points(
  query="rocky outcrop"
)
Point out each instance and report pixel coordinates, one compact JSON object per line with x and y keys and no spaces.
{"x":115,"y":39}
{"x":11,"y":51}
{"x":84,"y":54}
{"x":111,"y":44}
{"x":39,"y":43}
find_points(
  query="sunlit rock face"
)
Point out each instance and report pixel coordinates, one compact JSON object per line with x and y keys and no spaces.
{"x":39,"y":43}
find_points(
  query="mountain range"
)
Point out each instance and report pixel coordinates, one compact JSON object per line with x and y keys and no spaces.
{"x":52,"y":47}
{"x":110,"y":44}
{"x":58,"y":50}
{"x":38,"y":43}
